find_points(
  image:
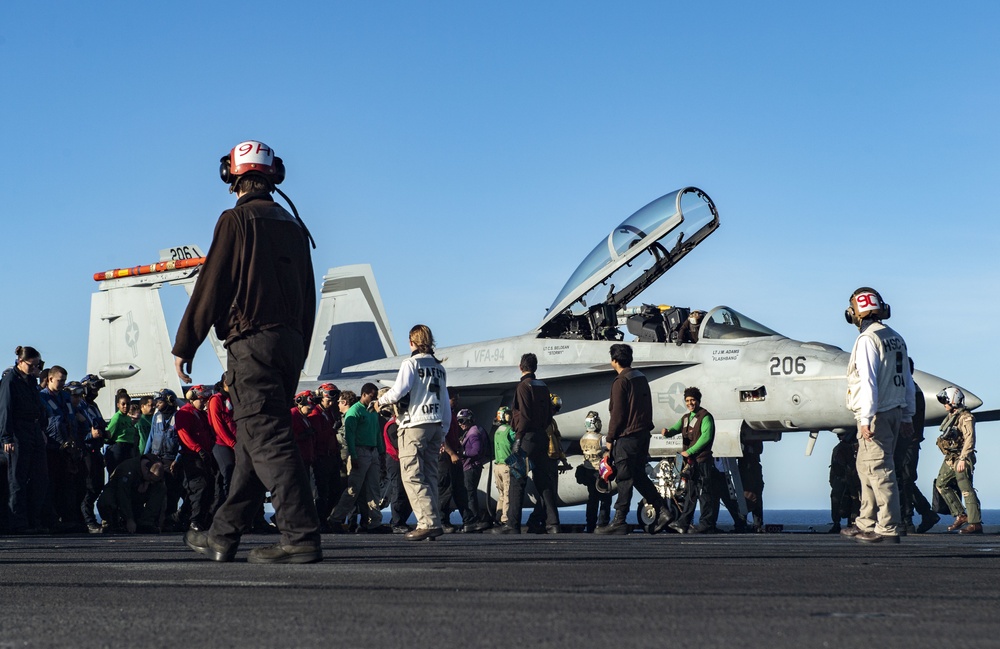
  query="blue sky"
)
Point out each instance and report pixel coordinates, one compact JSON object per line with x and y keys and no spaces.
{"x":487,"y":146}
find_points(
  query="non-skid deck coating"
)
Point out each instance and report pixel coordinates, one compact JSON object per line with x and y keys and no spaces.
{"x":571,"y":590}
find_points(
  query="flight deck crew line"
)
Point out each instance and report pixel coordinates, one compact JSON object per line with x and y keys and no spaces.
{"x":256,"y":288}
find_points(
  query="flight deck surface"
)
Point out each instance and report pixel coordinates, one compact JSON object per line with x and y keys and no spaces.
{"x":762,"y":590}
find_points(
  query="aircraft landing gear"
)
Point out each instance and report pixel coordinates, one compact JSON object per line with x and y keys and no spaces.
{"x":668,"y":481}
{"x":646,"y":514}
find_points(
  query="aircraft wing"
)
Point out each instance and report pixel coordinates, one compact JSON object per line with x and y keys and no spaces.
{"x":987,"y":415}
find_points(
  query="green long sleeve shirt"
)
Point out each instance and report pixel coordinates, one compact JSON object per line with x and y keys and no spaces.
{"x":121,"y":429}
{"x":707,"y":432}
{"x":361,"y":429}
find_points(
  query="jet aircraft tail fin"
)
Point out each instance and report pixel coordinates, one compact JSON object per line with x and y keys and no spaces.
{"x":129,"y":345}
{"x":351,"y":323}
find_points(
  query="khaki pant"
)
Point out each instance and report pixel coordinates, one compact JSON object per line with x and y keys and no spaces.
{"x":501,"y":478}
{"x":362,"y":489}
{"x":965,"y":490}
{"x":419,"y":447}
{"x":876,"y":468}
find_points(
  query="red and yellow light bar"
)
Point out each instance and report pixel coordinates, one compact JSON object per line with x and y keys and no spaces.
{"x":149,"y":269}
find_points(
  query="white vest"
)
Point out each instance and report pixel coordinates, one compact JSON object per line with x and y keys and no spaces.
{"x":892,"y":371}
{"x":429,"y":387}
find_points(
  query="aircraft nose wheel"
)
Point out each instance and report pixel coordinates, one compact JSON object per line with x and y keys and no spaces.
{"x":646,"y":515}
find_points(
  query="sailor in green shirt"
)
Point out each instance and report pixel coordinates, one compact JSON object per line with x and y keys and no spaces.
{"x":365,"y":445}
{"x":697,"y":429}
{"x":503,"y":440}
{"x":122,"y":435}
{"x":145,"y":422}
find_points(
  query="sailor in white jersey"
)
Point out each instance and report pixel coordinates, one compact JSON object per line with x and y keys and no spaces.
{"x":421,"y":394}
{"x":881,"y":394}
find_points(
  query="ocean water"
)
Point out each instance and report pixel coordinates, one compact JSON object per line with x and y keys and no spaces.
{"x":790,"y":519}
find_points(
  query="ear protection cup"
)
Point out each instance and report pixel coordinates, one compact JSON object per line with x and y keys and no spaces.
{"x":224,"y":164}
{"x":279,"y":171}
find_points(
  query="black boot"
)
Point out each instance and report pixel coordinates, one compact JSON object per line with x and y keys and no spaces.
{"x":616,"y":526}
{"x":927,"y":522}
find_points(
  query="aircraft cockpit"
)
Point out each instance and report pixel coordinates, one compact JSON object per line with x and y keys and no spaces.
{"x":723,"y":323}
{"x":627,"y":262}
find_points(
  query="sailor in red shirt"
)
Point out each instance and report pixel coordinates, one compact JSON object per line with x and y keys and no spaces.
{"x":220,"y":418}
{"x":305,"y":436}
{"x":325,"y":420}
{"x":197,"y":464}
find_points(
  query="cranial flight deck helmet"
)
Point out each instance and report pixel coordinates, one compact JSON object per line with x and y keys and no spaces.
{"x":593,"y":422}
{"x":166,"y":395}
{"x":503,"y":415}
{"x":256,"y":157}
{"x":198,"y":392}
{"x":951,"y":395}
{"x":866,"y":302}
{"x":606,"y":469}
{"x":251,"y":156}
{"x":327,"y":390}
{"x":305,"y":398}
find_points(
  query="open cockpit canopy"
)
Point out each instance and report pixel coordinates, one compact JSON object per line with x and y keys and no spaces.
{"x":627,"y":261}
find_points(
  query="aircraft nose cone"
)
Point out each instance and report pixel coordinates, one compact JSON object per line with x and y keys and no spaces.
{"x":930,"y":385}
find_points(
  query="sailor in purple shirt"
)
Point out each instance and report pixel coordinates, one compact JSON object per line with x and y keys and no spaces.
{"x":475,"y":454}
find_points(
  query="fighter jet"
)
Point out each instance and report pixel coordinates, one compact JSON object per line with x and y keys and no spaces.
{"x":755,"y":381}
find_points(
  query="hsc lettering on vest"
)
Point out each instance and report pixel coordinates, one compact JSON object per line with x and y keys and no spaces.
{"x":892,"y":369}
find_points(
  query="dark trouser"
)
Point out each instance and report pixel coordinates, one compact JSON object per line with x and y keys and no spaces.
{"x":118,"y":453}
{"x":4,"y":494}
{"x":146,"y":506}
{"x":631,"y":455}
{"x":732,"y":505}
{"x":515,"y":500}
{"x":65,"y":485}
{"x":326,"y":470}
{"x":362,"y":493}
{"x":28,"y":475}
{"x":470,"y":478}
{"x":752,"y":477}
{"x":598,"y":504}
{"x":199,"y":485}
{"x":538,"y":514}
{"x":845,"y":493}
{"x":906,"y":456}
{"x":703,"y":491}
{"x":451,"y":488}
{"x":93,"y":466}
{"x":398,"y":502}
{"x":263,"y":371}
{"x":174,"y":483}
{"x":543,"y":474}
{"x":225,"y":461}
